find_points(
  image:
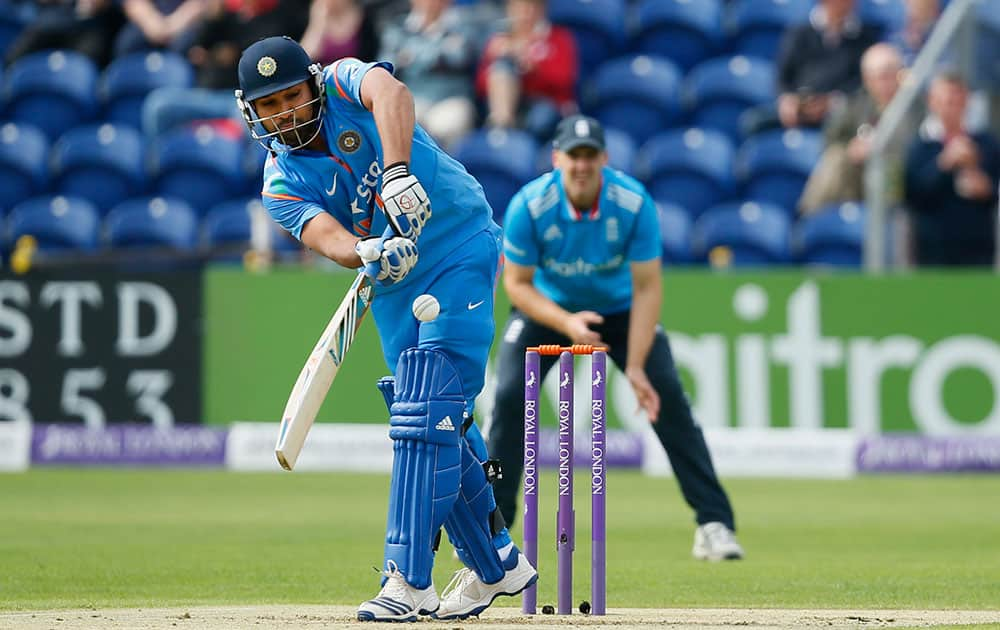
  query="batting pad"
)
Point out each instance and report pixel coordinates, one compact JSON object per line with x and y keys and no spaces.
{"x":468,"y":525}
{"x":425,"y":424}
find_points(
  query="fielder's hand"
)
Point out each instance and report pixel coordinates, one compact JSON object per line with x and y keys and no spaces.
{"x":405,"y":202}
{"x":387,"y":258}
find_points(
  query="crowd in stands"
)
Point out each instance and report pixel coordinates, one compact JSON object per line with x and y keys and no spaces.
{"x":750,"y":121}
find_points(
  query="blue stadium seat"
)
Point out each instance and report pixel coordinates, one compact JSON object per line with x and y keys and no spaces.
{"x":230,"y":224}
{"x":691,"y":168}
{"x":637,"y":94}
{"x":742,"y":235}
{"x":52,"y":90}
{"x":833,"y":237}
{"x":682,"y":31}
{"x":252,"y":164}
{"x":598,"y":27}
{"x":886,"y":15}
{"x":124,"y":84}
{"x":24,"y":153}
{"x":675,"y":234}
{"x":621,"y":150}
{"x":14,"y":16}
{"x":987,"y":48}
{"x":200,"y":166}
{"x":502,"y":160}
{"x":57,"y":223}
{"x":716,"y":92}
{"x":101,"y":163}
{"x":755,"y":27}
{"x":152,"y":222}
{"x":773,"y":166}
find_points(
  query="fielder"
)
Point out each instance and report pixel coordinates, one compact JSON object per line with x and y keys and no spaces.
{"x":582,"y":248}
{"x":342,"y":142}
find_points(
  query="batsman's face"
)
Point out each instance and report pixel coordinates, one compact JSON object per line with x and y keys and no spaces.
{"x":286,"y":109}
{"x":581,"y":172}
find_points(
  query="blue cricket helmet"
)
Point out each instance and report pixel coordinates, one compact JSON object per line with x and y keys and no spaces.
{"x":271,"y":65}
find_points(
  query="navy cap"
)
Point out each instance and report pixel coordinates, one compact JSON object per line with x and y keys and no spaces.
{"x":579,"y":131}
{"x":271,"y":65}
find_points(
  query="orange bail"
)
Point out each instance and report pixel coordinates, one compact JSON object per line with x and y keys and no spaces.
{"x":577,"y":348}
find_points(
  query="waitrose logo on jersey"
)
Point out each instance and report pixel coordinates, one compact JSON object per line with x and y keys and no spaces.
{"x":875,"y":354}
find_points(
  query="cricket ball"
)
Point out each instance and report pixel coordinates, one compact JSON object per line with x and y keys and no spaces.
{"x":547,"y":609}
{"x":426,"y":308}
{"x":585,"y":607}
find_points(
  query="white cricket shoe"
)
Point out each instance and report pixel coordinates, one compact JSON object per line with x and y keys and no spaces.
{"x":467,"y":595}
{"x":398,"y":601}
{"x":714,"y":541}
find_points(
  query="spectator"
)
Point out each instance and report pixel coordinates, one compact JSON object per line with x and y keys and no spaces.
{"x":434,"y":53}
{"x":528,"y":72}
{"x":86,"y":26}
{"x":921,"y":15}
{"x":839,"y":175}
{"x":159,"y":24}
{"x":820,"y":60}
{"x":229,"y":26}
{"x":339,"y":28}
{"x":951,"y":181}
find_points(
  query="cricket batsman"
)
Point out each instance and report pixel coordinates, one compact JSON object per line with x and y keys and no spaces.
{"x":351,"y":175}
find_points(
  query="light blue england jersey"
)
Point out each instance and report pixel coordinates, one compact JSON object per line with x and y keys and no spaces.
{"x":298,"y":185}
{"x":582,"y":258}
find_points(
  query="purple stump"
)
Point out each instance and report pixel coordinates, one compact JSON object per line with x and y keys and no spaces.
{"x":532,"y":377}
{"x":565,"y":518}
{"x":598,"y":486}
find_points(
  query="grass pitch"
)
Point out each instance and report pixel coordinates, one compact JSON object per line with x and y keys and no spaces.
{"x":130,"y":538}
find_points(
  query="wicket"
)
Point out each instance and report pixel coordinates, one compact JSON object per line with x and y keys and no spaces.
{"x":565,"y":516}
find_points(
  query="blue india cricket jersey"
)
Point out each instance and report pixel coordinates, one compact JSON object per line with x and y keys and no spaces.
{"x":298,"y":185}
{"x":582,"y":258}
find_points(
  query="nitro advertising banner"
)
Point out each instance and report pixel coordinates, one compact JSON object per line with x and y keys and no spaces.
{"x":907,"y":353}
{"x":98,"y":347}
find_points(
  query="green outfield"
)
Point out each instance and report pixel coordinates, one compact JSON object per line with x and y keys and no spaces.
{"x":112,"y":539}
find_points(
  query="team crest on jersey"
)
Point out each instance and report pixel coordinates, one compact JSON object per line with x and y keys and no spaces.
{"x":349,"y":141}
{"x":267,"y":66}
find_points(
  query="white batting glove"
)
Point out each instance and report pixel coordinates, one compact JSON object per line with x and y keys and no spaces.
{"x":387,"y":258}
{"x":406,"y":204}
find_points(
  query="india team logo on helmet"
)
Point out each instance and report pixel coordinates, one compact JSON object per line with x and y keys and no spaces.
{"x":267,"y":66}
{"x":271,"y":65}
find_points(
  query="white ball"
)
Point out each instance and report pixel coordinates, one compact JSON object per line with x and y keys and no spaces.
{"x":426,"y":308}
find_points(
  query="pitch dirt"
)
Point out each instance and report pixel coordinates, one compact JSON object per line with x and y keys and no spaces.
{"x":312,"y":617}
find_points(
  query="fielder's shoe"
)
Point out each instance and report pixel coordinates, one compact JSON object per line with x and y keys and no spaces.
{"x":714,"y":541}
{"x":467,"y":595}
{"x":398,"y":601}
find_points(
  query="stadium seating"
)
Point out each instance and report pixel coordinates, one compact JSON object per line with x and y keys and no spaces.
{"x":682,"y":31}
{"x":200,"y":166}
{"x":502,"y":160}
{"x":773,"y":166}
{"x":101,"y":163}
{"x":886,"y":15}
{"x":832,"y":237}
{"x":742,"y":235}
{"x":755,"y":27}
{"x":691,"y":168}
{"x":229,"y":225}
{"x":145,"y":222}
{"x":598,"y":27}
{"x":252,"y":164}
{"x":717,"y":92}
{"x":57,"y":223}
{"x":621,"y":150}
{"x":637,"y":94}
{"x":125,"y":83}
{"x":675,"y":233}
{"x":24,"y":152}
{"x":987,"y":48}
{"x":14,"y":16}
{"x":52,"y":90}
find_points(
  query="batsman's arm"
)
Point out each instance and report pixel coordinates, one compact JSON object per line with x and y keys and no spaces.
{"x":391,"y":104}
{"x":325,"y":235}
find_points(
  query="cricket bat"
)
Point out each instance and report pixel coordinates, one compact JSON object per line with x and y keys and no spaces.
{"x":321,"y":367}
